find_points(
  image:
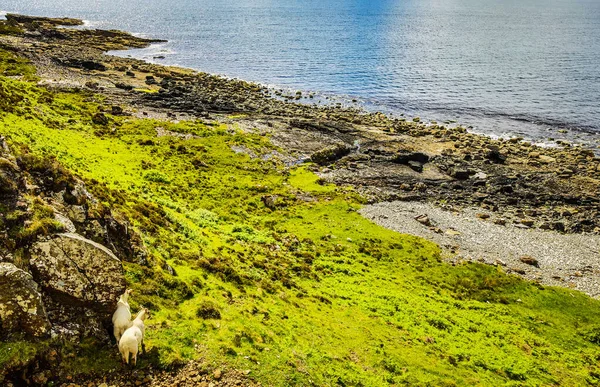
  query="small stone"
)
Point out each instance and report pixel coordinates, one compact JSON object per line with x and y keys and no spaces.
{"x":500,"y":221}
{"x":529,"y":260}
{"x":527,"y":222}
{"x":423,"y":219}
{"x":483,"y":216}
{"x":217,"y":374}
{"x":547,"y":159}
{"x":416,"y":166}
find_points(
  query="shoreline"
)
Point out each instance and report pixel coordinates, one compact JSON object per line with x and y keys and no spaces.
{"x":385,"y":158}
{"x":554,"y":133}
{"x":550,"y":134}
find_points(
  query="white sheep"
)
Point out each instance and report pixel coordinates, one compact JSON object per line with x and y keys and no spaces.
{"x":133,"y":337}
{"x":121,"y":319}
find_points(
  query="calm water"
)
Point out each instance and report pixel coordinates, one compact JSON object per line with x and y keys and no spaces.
{"x":528,"y":67}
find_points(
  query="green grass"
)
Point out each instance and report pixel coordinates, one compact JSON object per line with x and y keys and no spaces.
{"x":305,"y":291}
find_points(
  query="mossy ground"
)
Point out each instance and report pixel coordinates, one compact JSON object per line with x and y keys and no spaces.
{"x":302,"y":291}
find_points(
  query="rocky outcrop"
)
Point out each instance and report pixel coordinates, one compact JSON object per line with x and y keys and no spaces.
{"x":60,"y":251}
{"x":21,"y":307}
{"x":78,"y":271}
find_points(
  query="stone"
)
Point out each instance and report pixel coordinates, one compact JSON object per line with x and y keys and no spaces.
{"x":460,"y":174}
{"x":495,"y":156}
{"x":78,"y":271}
{"x":527,"y":222}
{"x":330,"y":154}
{"x":480,"y":176}
{"x":100,"y":119}
{"x":415,"y":166}
{"x":547,"y":159}
{"x":21,"y":306}
{"x":529,"y":260}
{"x":405,"y":157}
{"x":217,"y":374}
{"x":423,"y":219}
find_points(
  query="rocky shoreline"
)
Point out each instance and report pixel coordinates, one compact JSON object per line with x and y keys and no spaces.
{"x":384,"y":158}
{"x":508,"y":186}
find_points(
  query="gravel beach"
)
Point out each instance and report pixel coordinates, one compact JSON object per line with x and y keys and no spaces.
{"x":567,"y":260}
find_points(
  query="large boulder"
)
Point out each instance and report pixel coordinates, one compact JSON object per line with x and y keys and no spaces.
{"x":21,"y":307}
{"x":78,"y":272}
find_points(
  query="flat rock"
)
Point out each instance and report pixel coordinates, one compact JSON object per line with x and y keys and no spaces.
{"x":78,"y":270}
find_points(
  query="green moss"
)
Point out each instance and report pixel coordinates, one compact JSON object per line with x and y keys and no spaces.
{"x":16,"y":353}
{"x":307,"y":290}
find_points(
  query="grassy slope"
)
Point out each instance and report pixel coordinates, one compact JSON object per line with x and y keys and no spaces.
{"x":309,"y":292}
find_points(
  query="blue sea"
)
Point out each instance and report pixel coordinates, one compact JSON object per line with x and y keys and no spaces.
{"x":503,"y":67}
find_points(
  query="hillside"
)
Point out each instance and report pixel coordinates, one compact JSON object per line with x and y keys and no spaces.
{"x":256,"y":269}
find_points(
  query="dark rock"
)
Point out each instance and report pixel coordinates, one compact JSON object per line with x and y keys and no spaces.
{"x":86,"y":64}
{"x":404,"y":157}
{"x":415,"y":166}
{"x":100,"y":119}
{"x":116,"y":110}
{"x":24,"y":19}
{"x":495,"y":156}
{"x":123,"y":86}
{"x":460,"y":174}
{"x":529,"y":260}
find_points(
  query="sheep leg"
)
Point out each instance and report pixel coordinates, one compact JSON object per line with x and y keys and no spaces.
{"x":117,"y":334}
{"x":143,"y":347}
{"x":134,"y":359}
{"x":125,"y":356}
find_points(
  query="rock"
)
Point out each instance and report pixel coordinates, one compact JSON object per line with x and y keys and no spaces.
{"x":527,"y":222}
{"x":124,"y":86}
{"x":483,"y":215}
{"x":495,"y":156}
{"x":330,"y":154}
{"x":45,"y":20}
{"x":529,"y":260}
{"x":424,"y":220}
{"x":405,"y":157}
{"x":21,"y":307}
{"x":270,"y":201}
{"x":460,"y":174}
{"x":415,"y":166}
{"x":100,"y":119}
{"x":116,"y":110}
{"x":217,"y":374}
{"x":78,"y":271}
